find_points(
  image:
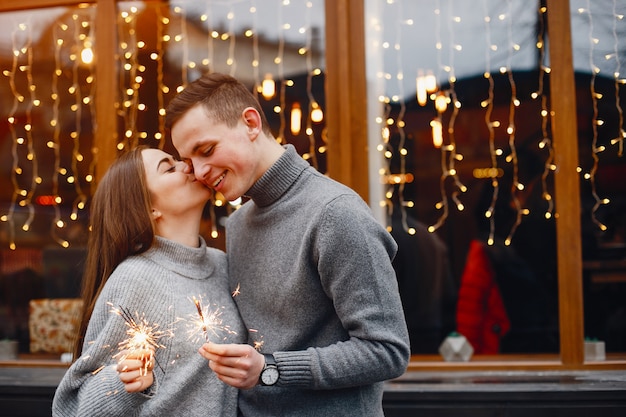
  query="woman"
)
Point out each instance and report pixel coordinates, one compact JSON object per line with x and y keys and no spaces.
{"x":149,"y":274}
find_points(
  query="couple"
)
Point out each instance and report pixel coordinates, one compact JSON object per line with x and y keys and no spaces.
{"x":308,"y":267}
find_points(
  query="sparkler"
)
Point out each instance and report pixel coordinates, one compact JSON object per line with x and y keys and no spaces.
{"x":141,"y":335}
{"x":207,"y":321}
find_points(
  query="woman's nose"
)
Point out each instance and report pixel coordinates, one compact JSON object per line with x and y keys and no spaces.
{"x":185,"y":166}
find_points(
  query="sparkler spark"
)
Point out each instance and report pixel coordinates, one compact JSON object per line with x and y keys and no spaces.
{"x":236,"y":292}
{"x":207,"y":322}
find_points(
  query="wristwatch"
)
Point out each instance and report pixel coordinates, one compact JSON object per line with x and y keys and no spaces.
{"x":269,"y":374}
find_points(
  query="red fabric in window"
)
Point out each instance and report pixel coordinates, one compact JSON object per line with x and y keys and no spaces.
{"x":481,"y":315}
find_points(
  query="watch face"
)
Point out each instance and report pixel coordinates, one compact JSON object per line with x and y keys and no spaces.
{"x":269,"y":376}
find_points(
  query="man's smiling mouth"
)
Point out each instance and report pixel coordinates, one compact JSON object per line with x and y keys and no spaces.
{"x":217,"y":181}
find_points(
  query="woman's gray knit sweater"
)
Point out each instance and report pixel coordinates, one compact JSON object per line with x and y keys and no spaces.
{"x":156,"y":286}
{"x":318,"y":288}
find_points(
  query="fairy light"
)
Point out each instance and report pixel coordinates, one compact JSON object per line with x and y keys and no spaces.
{"x":161,"y":89}
{"x":206,"y":17}
{"x":268,"y":87}
{"x":296,"y":119}
{"x":443,"y":203}
{"x":546,"y":142}
{"x":185,"y":45}
{"x":129,"y":85}
{"x":59,"y":33}
{"x":514,"y":102}
{"x":77,"y":109}
{"x":619,"y":81}
{"x":255,"y":47}
{"x":595,"y":121}
{"x":16,"y":170}
{"x":315,"y":114}
{"x":28,"y":126}
{"x":449,"y":153}
{"x":279,"y":61}
{"x":399,"y":122}
{"x":230,"y":61}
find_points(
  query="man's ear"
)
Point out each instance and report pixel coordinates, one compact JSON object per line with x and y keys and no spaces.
{"x":252,"y":120}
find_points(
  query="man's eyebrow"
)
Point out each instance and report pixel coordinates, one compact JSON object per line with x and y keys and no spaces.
{"x":199,"y":145}
{"x":196,"y":147}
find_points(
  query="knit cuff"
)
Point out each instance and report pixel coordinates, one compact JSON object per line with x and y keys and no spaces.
{"x":294,"y":368}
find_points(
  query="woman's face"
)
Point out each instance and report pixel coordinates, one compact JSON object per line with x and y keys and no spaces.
{"x":173,"y":191}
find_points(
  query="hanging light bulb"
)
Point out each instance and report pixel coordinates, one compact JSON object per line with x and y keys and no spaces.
{"x":268,"y":87}
{"x":422,"y":94}
{"x":86,"y":55}
{"x":441,"y":103}
{"x":317,"y":115}
{"x":430,"y":82}
{"x":437,"y":131}
{"x":296,"y":118}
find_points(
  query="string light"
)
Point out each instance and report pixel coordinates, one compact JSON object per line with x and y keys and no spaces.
{"x":514,"y":102}
{"x":619,"y":81}
{"x":279,"y":61}
{"x":449,"y":153}
{"x":546,"y":142}
{"x":255,"y":46}
{"x":315,"y":113}
{"x":161,"y":89}
{"x":490,"y":124}
{"x":75,"y":90}
{"x":595,"y":121}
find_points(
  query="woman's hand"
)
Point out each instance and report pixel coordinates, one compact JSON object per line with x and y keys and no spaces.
{"x":135,"y":369}
{"x":236,"y":365}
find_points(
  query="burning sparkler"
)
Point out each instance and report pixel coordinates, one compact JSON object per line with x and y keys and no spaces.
{"x":207,"y":321}
{"x":141,"y":334}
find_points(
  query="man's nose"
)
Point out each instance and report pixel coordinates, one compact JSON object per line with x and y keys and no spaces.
{"x":201,"y":171}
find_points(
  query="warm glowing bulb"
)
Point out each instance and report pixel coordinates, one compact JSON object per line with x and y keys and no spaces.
{"x":317,"y":115}
{"x":437,"y":131}
{"x":86,"y":56}
{"x":268,"y":87}
{"x":296,"y":118}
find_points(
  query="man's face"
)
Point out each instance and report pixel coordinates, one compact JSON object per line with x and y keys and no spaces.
{"x":222,"y":157}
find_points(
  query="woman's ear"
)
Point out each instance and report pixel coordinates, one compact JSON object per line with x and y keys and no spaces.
{"x":156,"y":214}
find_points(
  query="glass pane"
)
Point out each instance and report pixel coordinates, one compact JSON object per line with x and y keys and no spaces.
{"x":463,"y":126}
{"x":600,"y":56}
{"x":46,"y":163}
{"x":47,"y":116}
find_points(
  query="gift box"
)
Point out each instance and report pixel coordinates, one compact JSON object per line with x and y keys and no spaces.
{"x":53,"y":324}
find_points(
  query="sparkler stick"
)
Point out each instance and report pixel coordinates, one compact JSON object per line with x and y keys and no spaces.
{"x":201,"y":314}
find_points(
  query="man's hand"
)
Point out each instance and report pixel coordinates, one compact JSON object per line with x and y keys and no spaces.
{"x":236,"y":365}
{"x":135,"y":370}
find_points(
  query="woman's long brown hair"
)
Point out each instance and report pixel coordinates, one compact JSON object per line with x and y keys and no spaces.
{"x":121,"y":225}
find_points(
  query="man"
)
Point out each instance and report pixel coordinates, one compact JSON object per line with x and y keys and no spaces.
{"x":316,"y":287}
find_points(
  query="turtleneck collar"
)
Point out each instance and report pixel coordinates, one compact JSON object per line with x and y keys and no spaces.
{"x":185,"y":260}
{"x":278,"y":178}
